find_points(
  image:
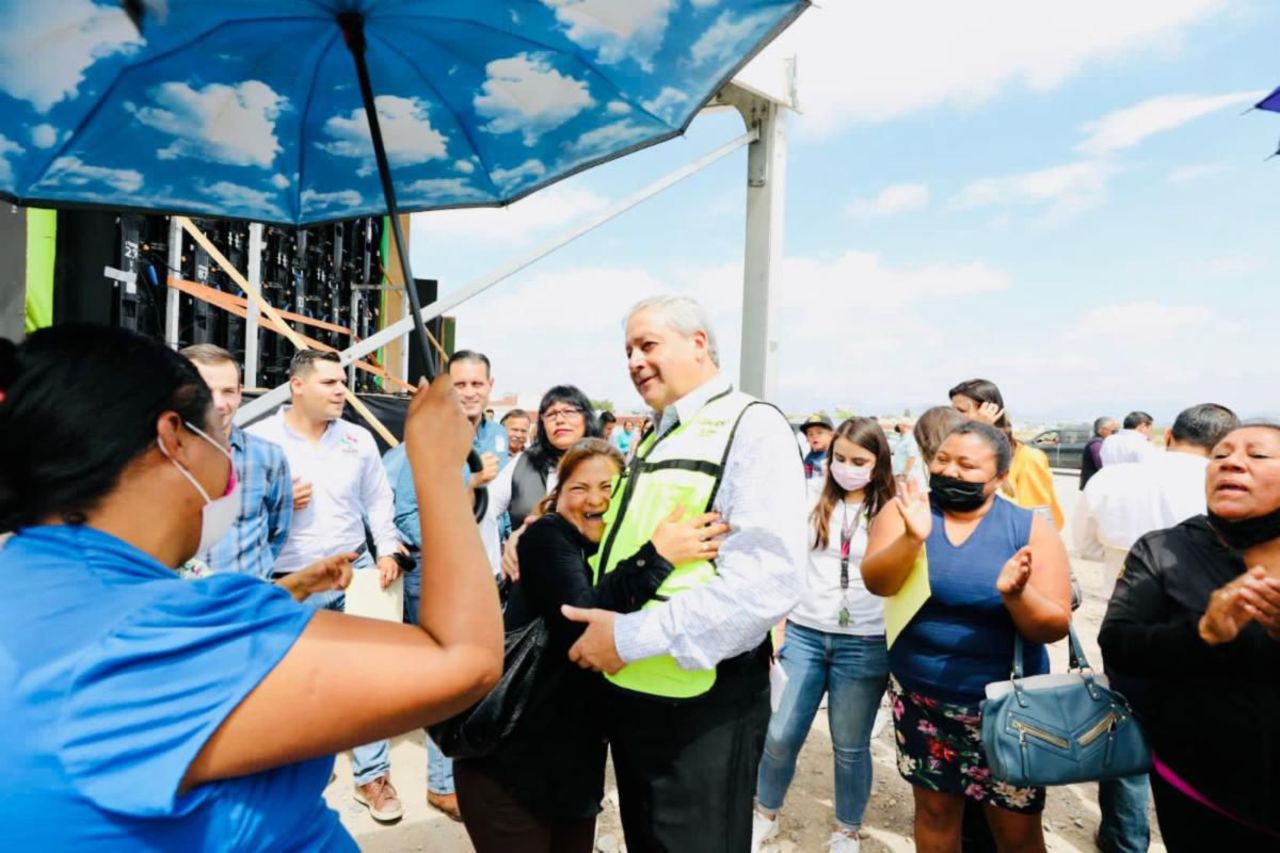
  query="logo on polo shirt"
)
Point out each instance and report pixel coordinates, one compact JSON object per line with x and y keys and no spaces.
{"x":349,"y":444}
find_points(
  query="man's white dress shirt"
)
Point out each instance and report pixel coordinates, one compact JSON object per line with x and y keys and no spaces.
{"x":1123,"y":503}
{"x":1127,"y":445}
{"x":348,"y":485}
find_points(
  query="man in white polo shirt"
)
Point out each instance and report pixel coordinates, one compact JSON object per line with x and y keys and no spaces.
{"x":339,"y":484}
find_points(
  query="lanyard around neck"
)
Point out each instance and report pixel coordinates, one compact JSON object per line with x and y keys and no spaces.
{"x":848,"y":529}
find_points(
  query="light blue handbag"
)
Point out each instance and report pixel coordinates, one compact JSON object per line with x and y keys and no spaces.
{"x":1060,"y":728}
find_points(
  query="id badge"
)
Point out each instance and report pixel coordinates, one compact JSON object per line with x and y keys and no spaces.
{"x":844,"y":617}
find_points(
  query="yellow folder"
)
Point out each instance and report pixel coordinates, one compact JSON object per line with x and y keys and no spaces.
{"x":901,"y":607}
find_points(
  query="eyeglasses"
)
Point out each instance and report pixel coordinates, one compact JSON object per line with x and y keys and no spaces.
{"x":566,"y":414}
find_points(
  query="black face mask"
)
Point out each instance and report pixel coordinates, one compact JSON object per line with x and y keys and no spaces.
{"x":1248,"y":532}
{"x":955,"y":494}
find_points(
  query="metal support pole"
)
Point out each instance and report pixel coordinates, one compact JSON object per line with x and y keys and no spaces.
{"x":172,"y":307}
{"x":253,"y":312}
{"x":762,"y":263}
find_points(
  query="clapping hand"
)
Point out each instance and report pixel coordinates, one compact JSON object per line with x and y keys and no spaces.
{"x":1254,"y":596}
{"x":913,"y":506}
{"x":1015,"y":574}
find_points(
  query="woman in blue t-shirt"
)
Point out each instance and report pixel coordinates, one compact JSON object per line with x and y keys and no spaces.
{"x":142,"y":712}
{"x":995,"y":570}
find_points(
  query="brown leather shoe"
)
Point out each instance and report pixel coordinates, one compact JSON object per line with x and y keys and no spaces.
{"x":447,"y":803}
{"x":381,"y":798}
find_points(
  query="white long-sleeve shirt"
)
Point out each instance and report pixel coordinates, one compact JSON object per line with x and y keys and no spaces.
{"x":499,"y":502}
{"x":348,"y":485}
{"x":1125,"y":446}
{"x":1123,"y":503}
{"x":759,"y":572}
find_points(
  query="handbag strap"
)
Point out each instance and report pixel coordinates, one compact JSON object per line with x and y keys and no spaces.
{"x":1075,"y":651}
{"x":1183,"y":787}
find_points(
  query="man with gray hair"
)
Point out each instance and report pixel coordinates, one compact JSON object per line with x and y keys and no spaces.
{"x":689,"y":672}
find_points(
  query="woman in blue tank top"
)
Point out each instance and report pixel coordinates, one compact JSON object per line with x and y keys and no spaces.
{"x":995,"y":570}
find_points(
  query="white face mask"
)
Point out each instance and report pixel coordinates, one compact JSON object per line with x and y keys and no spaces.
{"x":851,"y":478}
{"x":218,"y":515}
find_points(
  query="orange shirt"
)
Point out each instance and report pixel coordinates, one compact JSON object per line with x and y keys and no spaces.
{"x":1031,"y":483}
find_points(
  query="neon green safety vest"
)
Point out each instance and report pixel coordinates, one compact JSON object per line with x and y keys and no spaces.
{"x":683,"y":468}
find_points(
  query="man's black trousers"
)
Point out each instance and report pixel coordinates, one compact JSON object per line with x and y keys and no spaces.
{"x":686,"y":770}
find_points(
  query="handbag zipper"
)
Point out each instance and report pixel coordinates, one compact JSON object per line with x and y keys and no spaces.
{"x":1023,"y":730}
{"x":1098,"y":730}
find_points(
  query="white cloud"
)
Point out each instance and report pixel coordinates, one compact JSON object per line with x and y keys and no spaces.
{"x":1149,"y":318}
{"x":616,"y":31}
{"x":724,"y":39}
{"x":464,"y":166}
{"x":872,"y":62}
{"x":44,"y":136}
{"x":225,"y":124}
{"x":534,"y":215}
{"x":509,"y":179}
{"x":892,"y":200}
{"x":48,"y":47}
{"x":1194,"y":172}
{"x":1126,"y":128}
{"x":7,"y":147}
{"x":526,"y":93}
{"x":242,"y":197}
{"x":668,"y":104}
{"x":1063,"y":190}
{"x":605,"y":139}
{"x":280,"y":182}
{"x":513,"y":324}
{"x":618,"y":108}
{"x":456,"y":189}
{"x":1234,"y":265}
{"x":74,"y":172}
{"x":407,"y":134}
{"x":320,"y":201}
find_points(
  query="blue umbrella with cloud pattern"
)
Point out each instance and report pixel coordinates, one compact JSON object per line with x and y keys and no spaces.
{"x":303,"y":111}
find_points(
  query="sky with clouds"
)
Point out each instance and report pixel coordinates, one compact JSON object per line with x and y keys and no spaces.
{"x":1063,"y":198}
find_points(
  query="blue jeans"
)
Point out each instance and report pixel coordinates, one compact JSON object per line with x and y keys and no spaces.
{"x":372,"y":760}
{"x":1124,"y":827}
{"x":439,"y":767}
{"x":853,"y":671}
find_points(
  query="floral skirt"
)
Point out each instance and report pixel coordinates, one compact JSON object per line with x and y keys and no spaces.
{"x":940,"y":749}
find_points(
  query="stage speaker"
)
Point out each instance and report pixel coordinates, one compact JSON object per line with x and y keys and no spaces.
{"x":428,"y":290}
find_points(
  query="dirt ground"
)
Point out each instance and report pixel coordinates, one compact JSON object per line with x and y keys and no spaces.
{"x":1071,"y":818}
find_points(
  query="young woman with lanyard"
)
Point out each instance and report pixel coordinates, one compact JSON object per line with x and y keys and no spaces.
{"x":833,"y":642}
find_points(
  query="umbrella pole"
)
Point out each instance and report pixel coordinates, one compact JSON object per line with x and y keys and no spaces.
{"x":352,"y":24}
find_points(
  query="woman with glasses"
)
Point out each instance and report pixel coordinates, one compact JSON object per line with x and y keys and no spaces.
{"x":564,"y":418}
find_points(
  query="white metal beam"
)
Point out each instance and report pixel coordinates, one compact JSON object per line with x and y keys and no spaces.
{"x":252,"y":311}
{"x":256,"y":408}
{"x":171,"y":304}
{"x":762,"y":262}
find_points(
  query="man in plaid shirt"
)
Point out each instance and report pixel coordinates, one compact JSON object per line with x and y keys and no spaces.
{"x":264,"y":485}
